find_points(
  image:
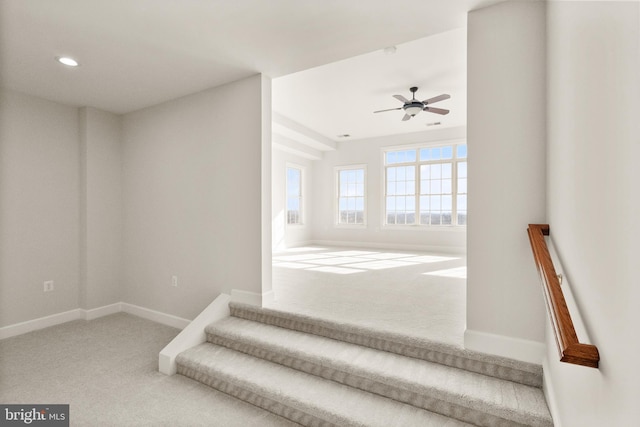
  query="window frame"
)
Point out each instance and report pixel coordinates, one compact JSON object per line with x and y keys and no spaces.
{"x":301,"y":221}
{"x":454,"y":161}
{"x":336,"y":196}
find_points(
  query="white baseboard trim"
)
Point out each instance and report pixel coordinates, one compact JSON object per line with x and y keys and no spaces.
{"x":268,"y":297}
{"x":252,"y":298}
{"x":300,"y":244}
{"x":453,"y":250}
{"x":40,"y":323}
{"x":283,"y":247}
{"x":193,"y":334}
{"x":156,"y":316}
{"x":500,"y":345}
{"x":106,"y":310}
{"x":91,"y":314}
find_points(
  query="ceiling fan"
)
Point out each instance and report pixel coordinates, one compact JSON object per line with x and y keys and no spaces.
{"x":413,"y":106}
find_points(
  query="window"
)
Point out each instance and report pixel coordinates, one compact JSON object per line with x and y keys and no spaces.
{"x":294,"y":195}
{"x":426,"y":186}
{"x":351,"y":185}
{"x":461,"y":193}
{"x":401,"y":199}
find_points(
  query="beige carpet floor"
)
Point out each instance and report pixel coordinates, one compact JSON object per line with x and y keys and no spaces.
{"x":107,"y":370}
{"x":413,"y":293}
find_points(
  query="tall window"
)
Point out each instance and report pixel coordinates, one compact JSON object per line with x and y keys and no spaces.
{"x":351,"y":186}
{"x":426,"y":186}
{"x":294,"y":195}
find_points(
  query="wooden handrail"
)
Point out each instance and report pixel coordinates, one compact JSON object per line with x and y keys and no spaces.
{"x":570,"y":349}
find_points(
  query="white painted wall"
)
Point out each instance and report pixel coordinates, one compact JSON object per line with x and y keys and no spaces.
{"x":39,"y":207}
{"x":283,"y":235}
{"x":266,"y":151}
{"x":593,"y":202}
{"x":101,"y":208}
{"x":506,"y":138}
{"x":369,"y":152}
{"x":192,"y":198}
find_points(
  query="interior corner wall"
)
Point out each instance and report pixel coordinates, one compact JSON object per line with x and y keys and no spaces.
{"x":593,"y":202}
{"x":39,"y":207}
{"x":369,"y":152}
{"x":506,"y":145}
{"x":266,"y":198}
{"x":283,"y":235}
{"x":101,"y":208}
{"x":192,"y":171}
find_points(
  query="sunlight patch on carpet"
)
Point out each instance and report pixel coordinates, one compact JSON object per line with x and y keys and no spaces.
{"x":380,"y":265}
{"x":349,"y":253}
{"x":458,"y":272}
{"x":427,"y":259}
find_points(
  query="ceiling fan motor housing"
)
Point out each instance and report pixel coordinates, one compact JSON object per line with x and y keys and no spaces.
{"x":412,"y":108}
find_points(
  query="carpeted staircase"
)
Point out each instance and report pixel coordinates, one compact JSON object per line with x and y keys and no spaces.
{"x":320,"y":373}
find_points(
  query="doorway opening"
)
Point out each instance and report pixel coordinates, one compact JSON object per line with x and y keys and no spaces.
{"x":376,"y":242}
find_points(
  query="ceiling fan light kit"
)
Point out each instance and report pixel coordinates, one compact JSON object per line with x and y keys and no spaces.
{"x":413,"y":106}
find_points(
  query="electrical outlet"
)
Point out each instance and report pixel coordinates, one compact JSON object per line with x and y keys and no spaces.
{"x":48,"y":286}
{"x":174,"y":281}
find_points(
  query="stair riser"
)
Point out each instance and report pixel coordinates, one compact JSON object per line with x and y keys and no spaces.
{"x":455,"y":361}
{"x":255,"y":399}
{"x":424,"y":399}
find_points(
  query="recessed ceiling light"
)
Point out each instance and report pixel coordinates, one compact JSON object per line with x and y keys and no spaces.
{"x":434,"y":123}
{"x":67,"y":61}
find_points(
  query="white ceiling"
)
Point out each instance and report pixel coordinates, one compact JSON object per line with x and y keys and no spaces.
{"x":339,"y":98}
{"x":137,"y":53}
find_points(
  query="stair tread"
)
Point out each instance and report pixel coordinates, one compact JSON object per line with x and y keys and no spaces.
{"x":444,"y":348}
{"x":502,"y":398}
{"x":325,"y":399}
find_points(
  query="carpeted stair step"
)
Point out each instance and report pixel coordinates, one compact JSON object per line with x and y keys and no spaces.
{"x":444,"y":354}
{"x":467,"y":396}
{"x":297,"y":396}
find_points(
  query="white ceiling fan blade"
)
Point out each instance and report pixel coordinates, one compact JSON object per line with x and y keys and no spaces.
{"x":401,"y":98}
{"x":390,"y":109}
{"x":436,"y":99}
{"x":436,"y":110}
{"x":406,"y":117}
